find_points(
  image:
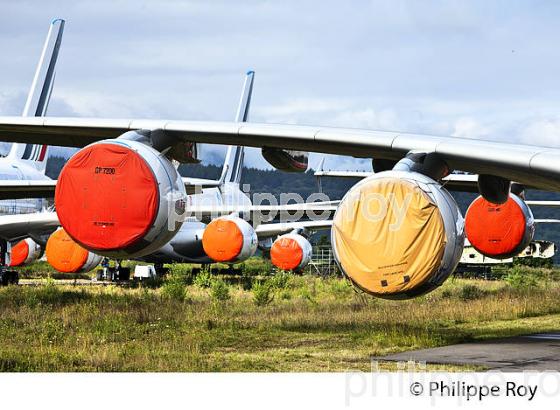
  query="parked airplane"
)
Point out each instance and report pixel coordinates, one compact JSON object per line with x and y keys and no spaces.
{"x":25,"y":166}
{"x":202,"y":242}
{"x":193,"y":243}
{"x":396,"y":234}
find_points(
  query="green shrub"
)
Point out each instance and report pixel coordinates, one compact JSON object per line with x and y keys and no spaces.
{"x":220,"y":290}
{"x":174,"y":287}
{"x":182,"y":272}
{"x":520,"y":281}
{"x":256,"y":266}
{"x":246,"y":282}
{"x":446,"y":293}
{"x":203,"y":279}
{"x":281,"y":280}
{"x":263,"y":293}
{"x":339,"y":288}
{"x":470,"y":292}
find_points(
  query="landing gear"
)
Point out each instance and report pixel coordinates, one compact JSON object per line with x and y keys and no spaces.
{"x":7,"y":277}
{"x":160,"y":269}
{"x":109,"y":273}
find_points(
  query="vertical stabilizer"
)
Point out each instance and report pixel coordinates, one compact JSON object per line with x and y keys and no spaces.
{"x":233,"y":164}
{"x":39,"y":96}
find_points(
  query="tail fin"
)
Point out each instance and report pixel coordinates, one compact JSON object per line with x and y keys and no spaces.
{"x":39,"y":96}
{"x":233,"y":163}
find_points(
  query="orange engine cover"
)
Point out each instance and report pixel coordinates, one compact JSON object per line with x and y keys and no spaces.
{"x":99,"y":193}
{"x":20,"y":251}
{"x":290,"y":252}
{"x":229,"y":239}
{"x":65,"y":255}
{"x":499,"y":231}
{"x":25,"y":252}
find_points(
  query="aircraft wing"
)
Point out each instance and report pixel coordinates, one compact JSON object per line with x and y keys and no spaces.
{"x":15,"y":189}
{"x":453,"y":182}
{"x":271,"y":230}
{"x":195,"y":185}
{"x":531,"y":165}
{"x":316,"y":211}
{"x":14,"y":227}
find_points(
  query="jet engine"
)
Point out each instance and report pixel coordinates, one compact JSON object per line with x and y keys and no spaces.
{"x":286,"y":160}
{"x":65,"y":255}
{"x":25,"y":252}
{"x":120,"y":198}
{"x":229,"y":239}
{"x":397,"y":234}
{"x":499,"y":231}
{"x":291,"y":252}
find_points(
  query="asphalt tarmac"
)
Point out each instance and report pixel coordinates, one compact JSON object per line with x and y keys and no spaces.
{"x":539,"y":352}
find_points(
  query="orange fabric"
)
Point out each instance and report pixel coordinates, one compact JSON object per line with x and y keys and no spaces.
{"x":64,"y":254}
{"x":20,"y":251}
{"x":495,"y":229}
{"x":106,"y":197}
{"x":222,"y":240}
{"x":388,"y":236}
{"x":286,"y":254}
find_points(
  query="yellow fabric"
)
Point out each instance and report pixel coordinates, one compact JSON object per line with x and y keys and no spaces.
{"x":377,"y":252}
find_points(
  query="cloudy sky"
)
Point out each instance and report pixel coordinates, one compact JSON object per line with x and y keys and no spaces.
{"x":475,"y":69}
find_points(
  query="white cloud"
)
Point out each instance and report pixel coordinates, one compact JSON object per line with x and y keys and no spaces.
{"x":475,"y":69}
{"x":469,"y":128}
{"x":544,"y":132}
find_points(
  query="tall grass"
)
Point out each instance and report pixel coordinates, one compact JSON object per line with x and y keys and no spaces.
{"x":304,"y":323}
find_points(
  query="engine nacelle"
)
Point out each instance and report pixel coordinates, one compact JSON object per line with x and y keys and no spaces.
{"x":25,"y":252}
{"x":229,"y":239}
{"x":67,"y":256}
{"x":291,"y":252}
{"x":499,"y":231}
{"x":286,"y":160}
{"x":185,"y":152}
{"x":397,"y":235}
{"x":120,"y":198}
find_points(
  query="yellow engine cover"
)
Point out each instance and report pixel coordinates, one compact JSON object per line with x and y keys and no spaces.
{"x":388,"y":236}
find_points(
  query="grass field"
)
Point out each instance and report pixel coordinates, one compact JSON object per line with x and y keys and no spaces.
{"x":279,"y":323}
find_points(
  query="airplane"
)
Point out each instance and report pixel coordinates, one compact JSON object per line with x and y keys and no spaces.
{"x":25,"y":165}
{"x":193,"y":243}
{"x":188,"y":245}
{"x":397,"y":234}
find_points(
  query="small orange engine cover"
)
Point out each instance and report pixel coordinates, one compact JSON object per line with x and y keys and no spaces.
{"x":99,"y":193}
{"x":495,"y":230}
{"x":64,"y":254}
{"x":20,"y":251}
{"x":286,"y":253}
{"x":222,"y":240}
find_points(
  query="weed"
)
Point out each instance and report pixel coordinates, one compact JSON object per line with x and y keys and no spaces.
{"x":263,"y":293}
{"x":280,"y":280}
{"x":520,"y":281}
{"x":203,"y":279}
{"x":220,"y":290}
{"x":470,"y":292}
{"x":174,"y":289}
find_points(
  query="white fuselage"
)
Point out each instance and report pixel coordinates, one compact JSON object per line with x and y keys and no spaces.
{"x":186,"y":245}
{"x":14,"y":170}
